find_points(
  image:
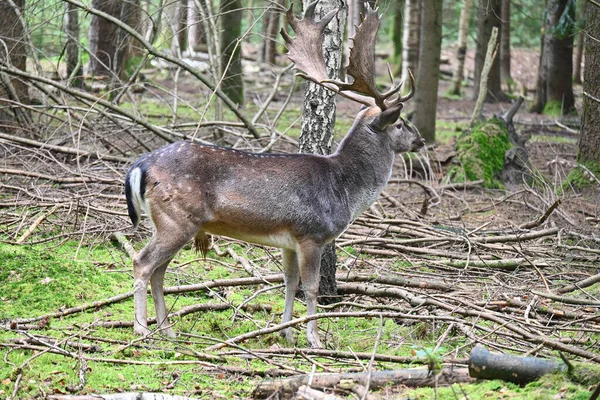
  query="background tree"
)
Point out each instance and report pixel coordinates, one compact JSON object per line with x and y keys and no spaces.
{"x":397,"y":34}
{"x":108,"y":44}
{"x":429,"y":69}
{"x":580,"y":42}
{"x":410,"y":40}
{"x":231,"y":60}
{"x":488,"y":17}
{"x":195,"y":27}
{"x":505,"y":76}
{"x":271,"y":22}
{"x":15,"y":54}
{"x":179,"y":24}
{"x":589,"y":141}
{"x":72,"y":45}
{"x":554,"y":93}
{"x":461,"y":51}
{"x":318,"y":118}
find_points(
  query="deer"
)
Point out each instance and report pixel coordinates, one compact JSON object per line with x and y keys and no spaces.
{"x":295,"y":202}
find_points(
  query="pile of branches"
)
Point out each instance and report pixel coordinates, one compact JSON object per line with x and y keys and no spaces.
{"x":425,"y":254}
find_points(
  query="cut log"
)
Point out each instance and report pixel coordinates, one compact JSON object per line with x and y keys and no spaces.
{"x":487,"y":365}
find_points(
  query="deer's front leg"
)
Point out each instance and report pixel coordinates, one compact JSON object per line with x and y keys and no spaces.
{"x":291,"y":276}
{"x":310,"y":267}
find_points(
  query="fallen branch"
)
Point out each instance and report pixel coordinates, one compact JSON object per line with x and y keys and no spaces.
{"x":307,"y":318}
{"x":507,"y":264}
{"x":57,"y":179}
{"x":487,"y":66}
{"x":580,"y":285}
{"x":542,"y":218}
{"x":185,"y":311}
{"x":414,"y":377}
{"x":120,"y":238}
{"x":567,"y":300}
{"x":35,"y":224}
{"x":63,"y":149}
{"x":350,"y":355}
{"x":168,"y":290}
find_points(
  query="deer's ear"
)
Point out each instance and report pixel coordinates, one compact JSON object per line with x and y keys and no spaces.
{"x":387,"y":117}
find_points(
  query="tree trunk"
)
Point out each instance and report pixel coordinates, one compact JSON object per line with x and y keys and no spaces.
{"x":11,"y":35}
{"x":410,"y":40}
{"x":231,"y":50}
{"x":195,"y":28}
{"x":270,"y":32}
{"x":589,"y":141}
{"x":179,"y":26}
{"x":397,"y":33}
{"x":489,"y":17}
{"x":318,"y":120}
{"x":461,"y":52}
{"x":429,"y":69}
{"x":505,"y":76}
{"x":108,"y":43}
{"x":554,"y":92}
{"x":128,"y":13}
{"x":580,"y":41}
{"x":72,"y":45}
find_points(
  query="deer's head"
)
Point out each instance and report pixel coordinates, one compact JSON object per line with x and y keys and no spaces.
{"x":382,"y":115}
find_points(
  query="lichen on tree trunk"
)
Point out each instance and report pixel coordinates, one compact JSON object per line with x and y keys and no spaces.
{"x":319,"y":120}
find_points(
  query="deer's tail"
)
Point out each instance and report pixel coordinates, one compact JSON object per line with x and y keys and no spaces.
{"x":135,"y":188}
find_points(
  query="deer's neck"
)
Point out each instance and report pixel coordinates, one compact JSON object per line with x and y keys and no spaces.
{"x":365,"y":162}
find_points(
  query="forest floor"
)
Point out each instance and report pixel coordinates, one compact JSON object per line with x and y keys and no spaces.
{"x":429,"y":271}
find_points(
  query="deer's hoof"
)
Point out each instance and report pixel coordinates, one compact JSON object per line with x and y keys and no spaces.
{"x":315,"y":342}
{"x":288,"y":334}
{"x":141,"y":330}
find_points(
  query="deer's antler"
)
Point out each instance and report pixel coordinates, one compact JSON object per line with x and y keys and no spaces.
{"x":306,"y":51}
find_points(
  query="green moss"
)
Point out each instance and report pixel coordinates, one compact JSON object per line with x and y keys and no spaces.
{"x":481,"y":154}
{"x":553,"y":108}
{"x":584,"y":373}
{"x":581,"y":176}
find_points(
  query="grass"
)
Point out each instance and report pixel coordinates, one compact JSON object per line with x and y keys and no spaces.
{"x":37,"y":280}
{"x":553,"y":139}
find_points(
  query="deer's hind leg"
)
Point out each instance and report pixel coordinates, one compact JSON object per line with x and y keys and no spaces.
{"x":291,"y":274}
{"x":310,"y":267}
{"x":149,"y":266}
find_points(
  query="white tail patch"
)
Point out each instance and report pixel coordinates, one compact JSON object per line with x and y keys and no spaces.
{"x":135,"y":182}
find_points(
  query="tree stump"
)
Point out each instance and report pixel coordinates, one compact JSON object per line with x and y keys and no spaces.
{"x":494,"y":152}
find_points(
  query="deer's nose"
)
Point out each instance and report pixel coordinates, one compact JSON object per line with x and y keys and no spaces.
{"x":418,"y":143}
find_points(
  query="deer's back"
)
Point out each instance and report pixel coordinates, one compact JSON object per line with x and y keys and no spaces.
{"x":271,"y":199}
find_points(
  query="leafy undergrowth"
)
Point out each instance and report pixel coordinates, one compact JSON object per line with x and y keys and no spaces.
{"x":38,"y":280}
